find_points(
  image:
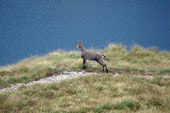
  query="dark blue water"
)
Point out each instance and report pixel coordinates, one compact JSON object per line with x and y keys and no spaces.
{"x":37,"y":27}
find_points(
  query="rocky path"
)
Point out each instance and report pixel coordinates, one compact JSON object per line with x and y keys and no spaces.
{"x":59,"y":77}
{"x":51,"y":79}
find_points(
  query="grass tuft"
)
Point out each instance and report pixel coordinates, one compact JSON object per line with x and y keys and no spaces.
{"x":127,"y":104}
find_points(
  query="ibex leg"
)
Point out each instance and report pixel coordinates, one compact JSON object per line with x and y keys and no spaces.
{"x":84,"y":64}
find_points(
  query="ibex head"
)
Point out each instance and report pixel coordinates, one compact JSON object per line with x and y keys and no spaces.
{"x":79,"y":44}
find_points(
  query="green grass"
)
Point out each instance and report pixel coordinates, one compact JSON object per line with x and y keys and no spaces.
{"x":136,"y":60}
{"x":94,"y":94}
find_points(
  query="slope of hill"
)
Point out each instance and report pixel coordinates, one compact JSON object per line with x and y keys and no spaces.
{"x":137,"y":60}
{"x":97,"y":93}
{"x":92,"y":93}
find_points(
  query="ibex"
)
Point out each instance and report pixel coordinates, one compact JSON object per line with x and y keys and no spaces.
{"x":88,"y":55}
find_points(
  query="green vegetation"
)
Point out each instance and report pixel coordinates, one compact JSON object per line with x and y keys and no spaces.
{"x":137,"y":60}
{"x":94,"y":94}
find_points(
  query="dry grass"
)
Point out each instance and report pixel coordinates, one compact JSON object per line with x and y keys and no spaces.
{"x":137,"y":60}
{"x":93,"y":94}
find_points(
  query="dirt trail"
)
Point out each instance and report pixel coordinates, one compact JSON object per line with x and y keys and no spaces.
{"x":51,"y":79}
{"x":56,"y":78}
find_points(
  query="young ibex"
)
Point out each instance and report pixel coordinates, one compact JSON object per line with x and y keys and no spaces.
{"x":88,"y":55}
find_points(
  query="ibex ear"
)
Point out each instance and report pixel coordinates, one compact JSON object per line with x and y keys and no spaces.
{"x":79,"y":42}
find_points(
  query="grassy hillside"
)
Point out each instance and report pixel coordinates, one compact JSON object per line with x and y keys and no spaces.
{"x":137,"y":60}
{"x":94,"y":94}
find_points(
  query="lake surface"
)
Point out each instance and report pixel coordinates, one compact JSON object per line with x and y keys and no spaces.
{"x":29,"y":27}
